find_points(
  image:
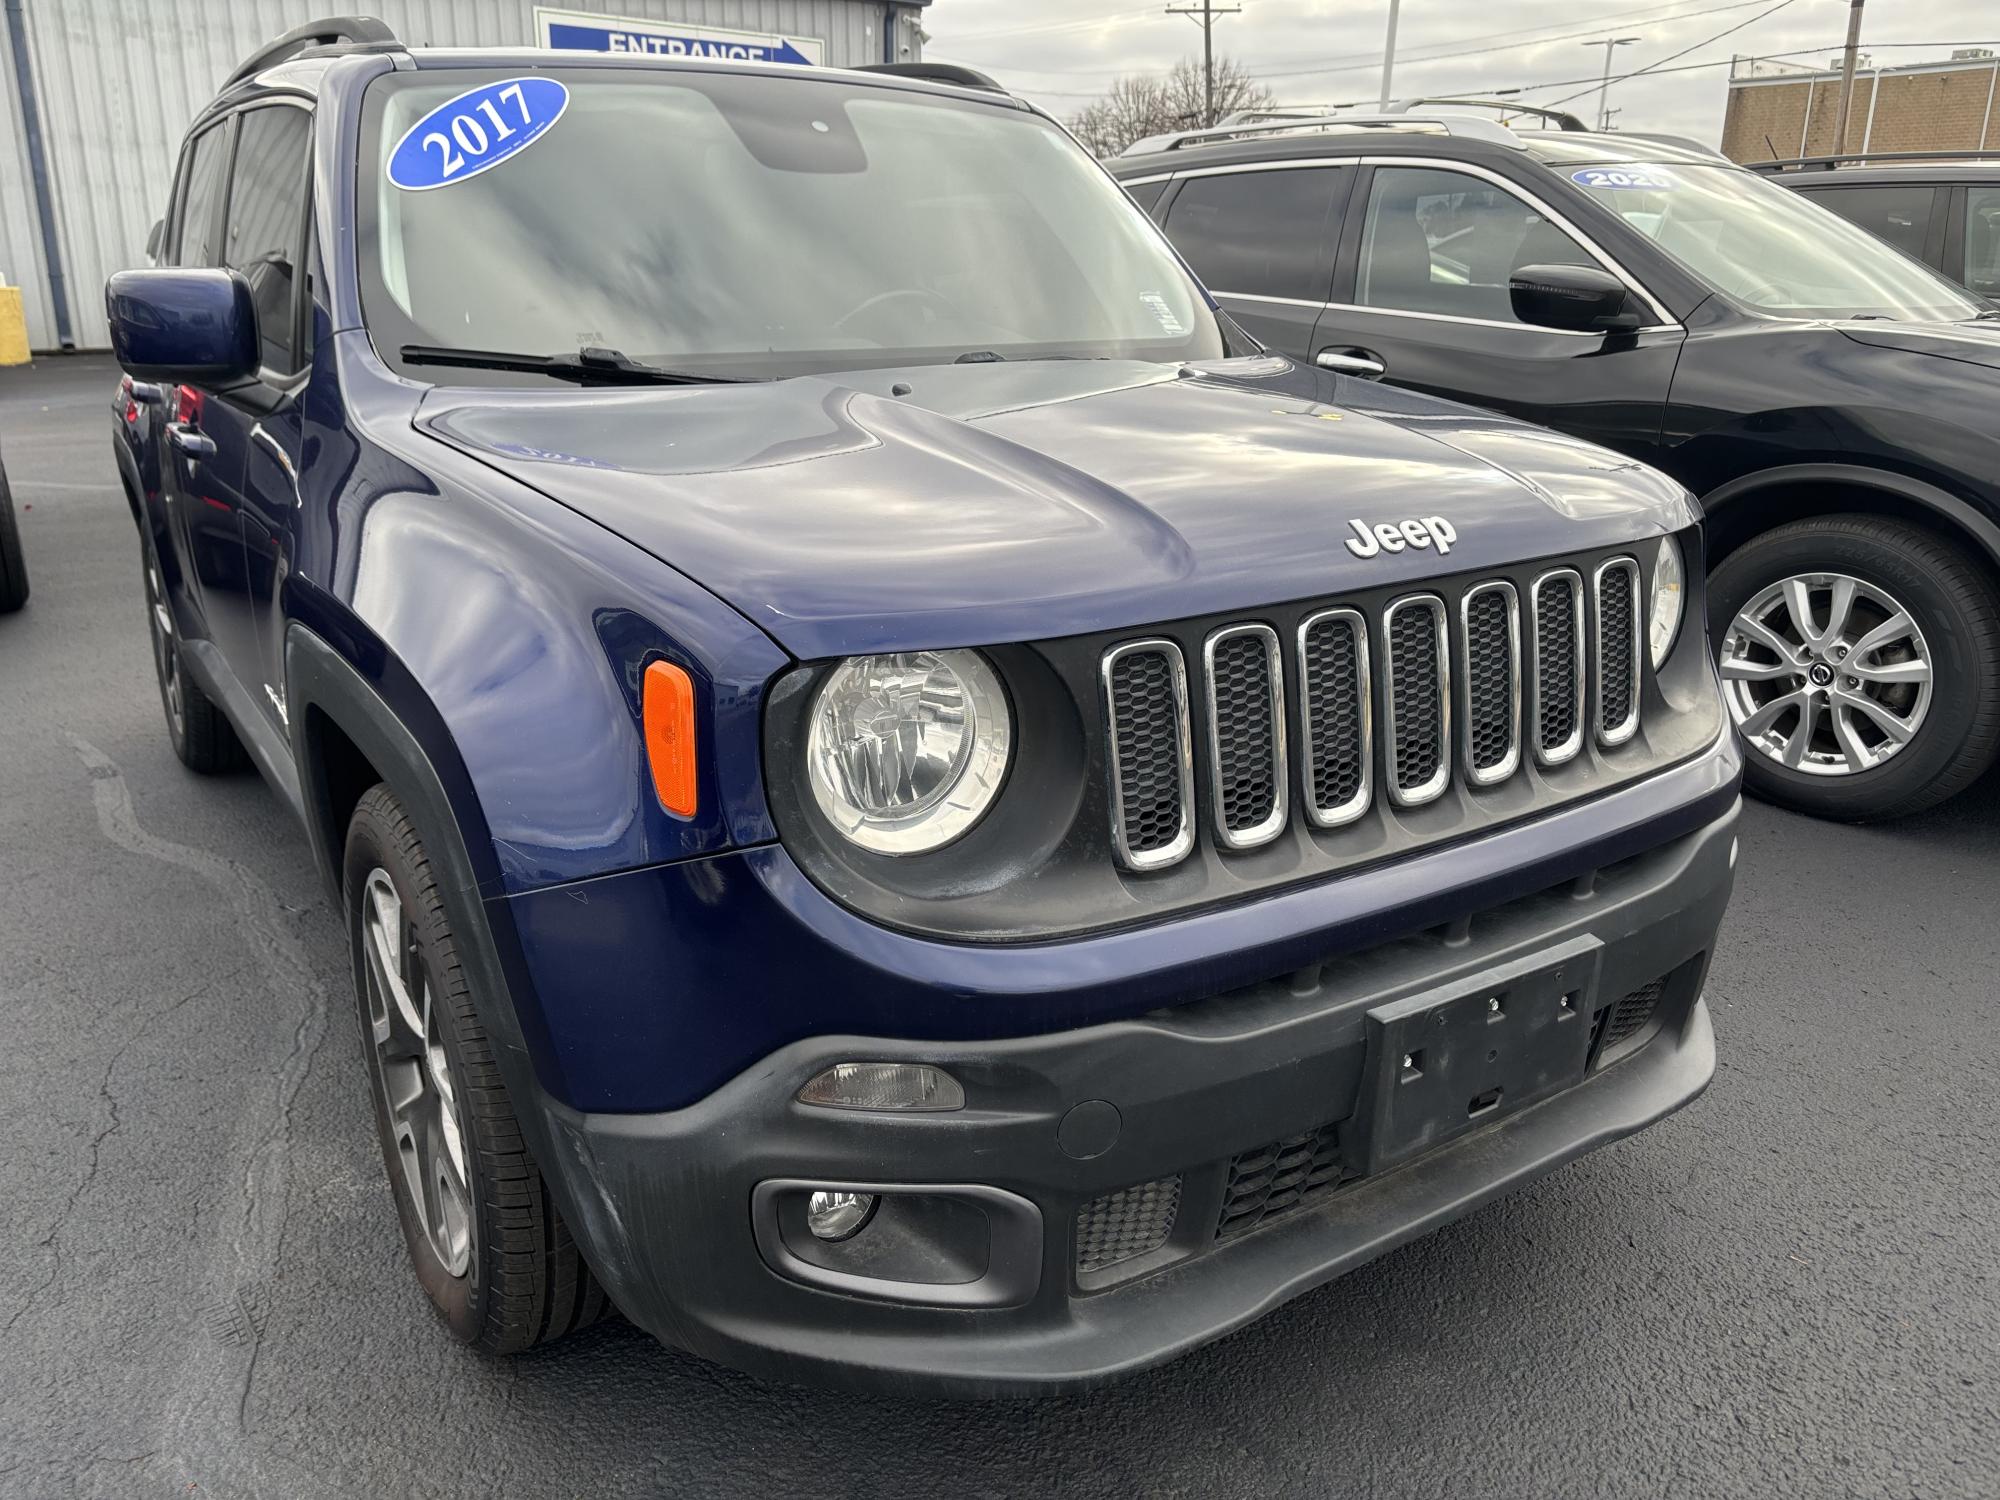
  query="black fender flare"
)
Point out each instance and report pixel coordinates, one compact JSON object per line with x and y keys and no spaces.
{"x":1962,"y":516}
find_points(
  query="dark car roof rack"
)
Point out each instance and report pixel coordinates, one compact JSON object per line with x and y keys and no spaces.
{"x":936,"y":72}
{"x":1562,"y":119}
{"x":1250,"y":124}
{"x":1858,"y":158}
{"x":333,"y":31}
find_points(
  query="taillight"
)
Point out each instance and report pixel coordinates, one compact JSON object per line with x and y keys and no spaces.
{"x":125,"y":393}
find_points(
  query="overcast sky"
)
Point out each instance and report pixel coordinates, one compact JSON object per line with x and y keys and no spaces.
{"x":1062,"y":52}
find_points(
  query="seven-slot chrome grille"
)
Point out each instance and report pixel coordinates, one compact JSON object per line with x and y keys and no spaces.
{"x":1401,"y":704}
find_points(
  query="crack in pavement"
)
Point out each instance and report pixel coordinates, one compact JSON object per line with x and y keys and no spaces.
{"x":204,"y":1427}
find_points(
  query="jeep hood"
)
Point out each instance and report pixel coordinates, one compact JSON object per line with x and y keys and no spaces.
{"x":978,"y":504}
{"x":1968,"y":343}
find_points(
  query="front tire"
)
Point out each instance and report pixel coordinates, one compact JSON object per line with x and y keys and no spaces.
{"x":484,"y":1238}
{"x":1860,"y":659}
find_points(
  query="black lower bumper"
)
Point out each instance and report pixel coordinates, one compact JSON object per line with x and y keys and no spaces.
{"x":1114,"y":1195}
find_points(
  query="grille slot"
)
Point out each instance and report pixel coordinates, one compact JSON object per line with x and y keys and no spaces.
{"x":1627,"y":1017}
{"x":1125,"y":1225}
{"x":1416,"y":730}
{"x":1489,"y":643}
{"x":1617,"y":660}
{"x":1274,"y":1179}
{"x":1152,"y":789}
{"x":1333,"y":677}
{"x":1557,"y":714}
{"x":1246,"y":737}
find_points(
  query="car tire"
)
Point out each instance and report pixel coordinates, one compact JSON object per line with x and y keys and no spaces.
{"x":1887,"y":568}
{"x":484,"y":1236}
{"x":201,"y":733}
{"x":13,"y":565}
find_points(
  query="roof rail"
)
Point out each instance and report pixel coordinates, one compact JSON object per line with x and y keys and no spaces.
{"x":330,"y":32}
{"x":1459,"y":125}
{"x":936,"y":72}
{"x":1562,"y":119}
{"x":1858,"y":158}
{"x":1685,"y":142}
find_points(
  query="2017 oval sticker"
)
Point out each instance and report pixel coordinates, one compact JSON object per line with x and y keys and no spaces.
{"x":477,"y":130}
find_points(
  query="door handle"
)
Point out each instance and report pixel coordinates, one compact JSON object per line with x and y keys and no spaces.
{"x":195,"y":445}
{"x":147,"y":394}
{"x":1362,"y":362}
{"x":277,"y":451}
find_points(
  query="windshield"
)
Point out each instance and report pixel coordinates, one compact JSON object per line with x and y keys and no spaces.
{"x":1770,"y":248}
{"x":749,"y":226}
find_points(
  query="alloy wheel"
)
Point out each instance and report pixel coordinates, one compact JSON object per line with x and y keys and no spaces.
{"x":417,"y":1082}
{"x":1826,"y":674}
{"x":166,"y":653}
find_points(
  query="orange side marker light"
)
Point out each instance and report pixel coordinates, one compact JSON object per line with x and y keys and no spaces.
{"x":667,"y":706}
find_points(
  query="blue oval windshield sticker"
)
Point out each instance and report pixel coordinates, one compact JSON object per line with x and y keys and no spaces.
{"x":1623,"y":177}
{"x":479,"y":129}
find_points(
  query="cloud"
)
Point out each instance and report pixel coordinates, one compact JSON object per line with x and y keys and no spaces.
{"x":1061,"y":53}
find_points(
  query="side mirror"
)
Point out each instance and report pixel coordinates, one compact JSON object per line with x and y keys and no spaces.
{"x":1582,"y":299}
{"x":153,"y":238}
{"x":182,"y":326}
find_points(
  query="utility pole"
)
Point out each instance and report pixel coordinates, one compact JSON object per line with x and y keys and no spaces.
{"x":1610,"y":44}
{"x":1205,"y":14}
{"x":1847,"y":76}
{"x":1389,"y":53}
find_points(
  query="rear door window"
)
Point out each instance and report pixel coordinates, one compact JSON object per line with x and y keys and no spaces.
{"x":1896,"y":212}
{"x":267,"y":220}
{"x":195,"y":242}
{"x":1981,"y":266}
{"x":1258,"y":234}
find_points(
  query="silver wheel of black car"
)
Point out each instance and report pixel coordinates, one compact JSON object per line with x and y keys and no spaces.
{"x":484,"y":1239}
{"x":1860,"y":659}
{"x":1826,"y":674}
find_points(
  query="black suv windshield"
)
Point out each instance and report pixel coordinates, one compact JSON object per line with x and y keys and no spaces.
{"x":1770,"y":248}
{"x":752,"y":226}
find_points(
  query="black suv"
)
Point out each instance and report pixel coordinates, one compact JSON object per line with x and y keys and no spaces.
{"x":1943,"y":211}
{"x":1831,"y":402}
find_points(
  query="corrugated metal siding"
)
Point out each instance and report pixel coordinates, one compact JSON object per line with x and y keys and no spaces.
{"x":119,"y":80}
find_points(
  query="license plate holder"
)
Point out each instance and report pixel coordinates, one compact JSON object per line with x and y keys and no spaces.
{"x":1454,"y":1059}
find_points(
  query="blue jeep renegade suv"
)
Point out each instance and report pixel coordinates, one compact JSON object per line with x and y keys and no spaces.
{"x":911,"y":808}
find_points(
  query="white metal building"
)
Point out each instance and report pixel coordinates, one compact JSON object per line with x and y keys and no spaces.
{"x":96,"y":94}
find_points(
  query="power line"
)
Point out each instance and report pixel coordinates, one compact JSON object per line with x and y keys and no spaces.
{"x":1206,"y":14}
{"x":1655,"y":67}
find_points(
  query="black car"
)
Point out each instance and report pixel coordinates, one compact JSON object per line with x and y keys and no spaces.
{"x":1831,"y":402}
{"x":13,"y":567}
{"x":1944,"y":212}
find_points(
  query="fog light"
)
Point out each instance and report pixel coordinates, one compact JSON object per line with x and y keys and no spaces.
{"x":884,"y":1085}
{"x":838,"y":1216}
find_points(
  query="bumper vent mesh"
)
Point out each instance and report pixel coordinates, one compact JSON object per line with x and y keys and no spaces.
{"x":1124,"y":1225}
{"x":1628,"y":1017}
{"x":1277,"y":1178}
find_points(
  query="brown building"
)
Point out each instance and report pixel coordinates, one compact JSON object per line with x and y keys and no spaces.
{"x":1778,"y":110}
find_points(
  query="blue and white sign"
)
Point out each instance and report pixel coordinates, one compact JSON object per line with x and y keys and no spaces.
{"x":582,"y":31}
{"x":1649,"y":178}
{"x":476,"y":131}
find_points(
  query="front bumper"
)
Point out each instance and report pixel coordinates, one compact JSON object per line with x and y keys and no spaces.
{"x":680,"y":1212}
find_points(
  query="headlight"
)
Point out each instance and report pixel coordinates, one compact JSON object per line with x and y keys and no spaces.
{"x":906,"y":752}
{"x":1668,"y":593}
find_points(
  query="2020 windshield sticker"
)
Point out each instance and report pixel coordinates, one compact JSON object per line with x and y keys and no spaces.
{"x":1649,"y":178}
{"x":476,"y":131}
{"x":1163,"y":314}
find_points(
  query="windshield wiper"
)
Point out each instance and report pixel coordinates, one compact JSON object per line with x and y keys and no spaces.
{"x":989,"y":357}
{"x":588,"y":366}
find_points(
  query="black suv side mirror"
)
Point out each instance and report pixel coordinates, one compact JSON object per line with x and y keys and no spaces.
{"x":1582,"y":299}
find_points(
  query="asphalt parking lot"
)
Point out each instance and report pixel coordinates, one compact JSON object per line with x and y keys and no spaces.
{"x":1792,"y":1288}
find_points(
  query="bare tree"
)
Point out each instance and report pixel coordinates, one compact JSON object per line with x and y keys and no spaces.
{"x":1141,"y":105}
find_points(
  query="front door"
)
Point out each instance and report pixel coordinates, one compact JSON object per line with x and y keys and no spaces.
{"x":1426,"y":256}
